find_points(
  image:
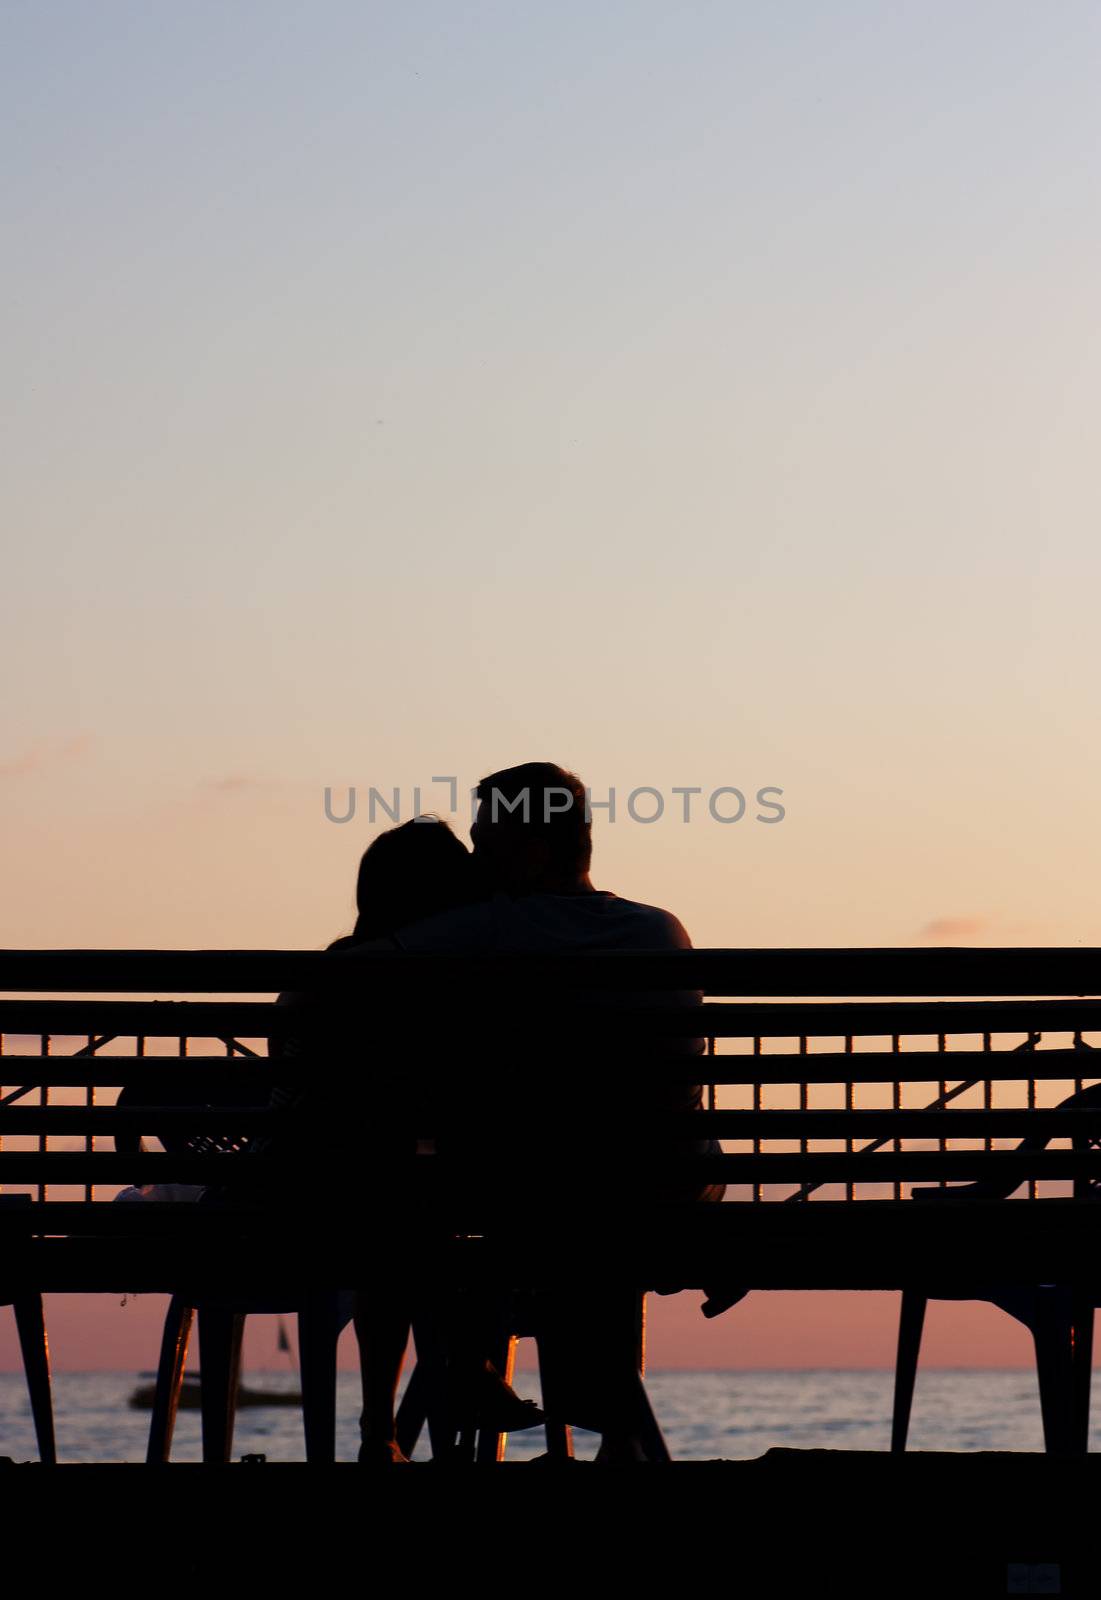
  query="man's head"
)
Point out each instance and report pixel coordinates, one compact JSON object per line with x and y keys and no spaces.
{"x":532,"y":833}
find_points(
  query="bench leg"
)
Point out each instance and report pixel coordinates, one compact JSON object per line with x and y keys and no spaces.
{"x":649,"y":1429}
{"x":220,"y":1362}
{"x":652,"y":1439}
{"x":1082,"y":1355}
{"x":911,"y":1321}
{"x":30,"y":1322}
{"x":170,"y":1371}
{"x":318,"y":1332}
{"x":1052,"y":1335}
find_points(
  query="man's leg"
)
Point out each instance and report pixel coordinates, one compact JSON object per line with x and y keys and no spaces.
{"x":588,"y":1354}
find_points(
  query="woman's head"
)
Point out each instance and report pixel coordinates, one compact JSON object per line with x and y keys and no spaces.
{"x":411,"y":872}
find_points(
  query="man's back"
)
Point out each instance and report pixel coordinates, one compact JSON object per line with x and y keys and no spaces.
{"x":543,"y":1062}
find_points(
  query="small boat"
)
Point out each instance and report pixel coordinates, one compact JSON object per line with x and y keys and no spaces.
{"x":191,"y":1394}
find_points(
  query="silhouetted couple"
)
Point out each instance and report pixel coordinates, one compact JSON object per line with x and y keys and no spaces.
{"x":525,"y":888}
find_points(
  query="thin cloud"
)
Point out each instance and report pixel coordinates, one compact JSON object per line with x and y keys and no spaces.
{"x":942,"y":929}
{"x":44,"y":754}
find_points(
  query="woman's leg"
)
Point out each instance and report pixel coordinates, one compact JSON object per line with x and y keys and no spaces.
{"x":382,"y":1322}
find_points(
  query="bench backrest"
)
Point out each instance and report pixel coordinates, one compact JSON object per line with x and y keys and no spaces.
{"x":859,"y":1097}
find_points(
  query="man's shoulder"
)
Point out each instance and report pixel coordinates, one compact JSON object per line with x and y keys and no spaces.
{"x":469,"y":927}
{"x":645,"y":926}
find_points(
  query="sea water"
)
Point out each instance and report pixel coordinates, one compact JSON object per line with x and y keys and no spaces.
{"x":732,"y":1415}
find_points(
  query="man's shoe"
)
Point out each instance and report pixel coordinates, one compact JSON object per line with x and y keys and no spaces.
{"x":496,"y":1405}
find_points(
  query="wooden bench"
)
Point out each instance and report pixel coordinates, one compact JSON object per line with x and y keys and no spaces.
{"x":838,"y":1078}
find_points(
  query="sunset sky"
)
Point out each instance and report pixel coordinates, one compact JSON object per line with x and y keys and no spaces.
{"x":693,"y":394}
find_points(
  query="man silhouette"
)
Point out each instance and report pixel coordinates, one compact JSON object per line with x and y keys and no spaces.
{"x":532,"y":841}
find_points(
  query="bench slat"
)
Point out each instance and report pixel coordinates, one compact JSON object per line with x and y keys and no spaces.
{"x":819,"y":972}
{"x":884,"y":1166}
